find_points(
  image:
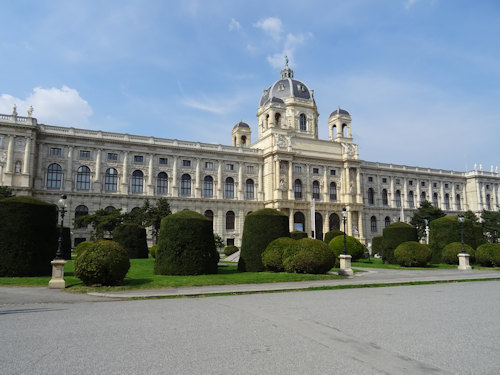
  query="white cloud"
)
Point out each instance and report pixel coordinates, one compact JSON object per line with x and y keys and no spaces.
{"x":292,"y":41}
{"x":216,"y":105}
{"x":234,"y":25}
{"x":272,"y":26}
{"x":55,"y":106}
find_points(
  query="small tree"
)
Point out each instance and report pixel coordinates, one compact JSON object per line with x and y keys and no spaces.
{"x":219,"y":243}
{"x":491,"y":225}
{"x":5,"y":192}
{"x":426,"y":211}
{"x":102,"y":221}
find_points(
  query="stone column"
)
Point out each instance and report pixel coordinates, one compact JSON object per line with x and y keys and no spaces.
{"x":240,"y":196}
{"x":124,"y":184}
{"x":197,"y":183}
{"x":175,"y":182}
{"x":307,"y":191}
{"x":219,"y":181}
{"x":27,"y":151}
{"x":68,"y":176}
{"x":290,"y":183}
{"x":151,"y":190}
{"x":261,"y":183}
{"x":393,"y":194}
{"x":276,"y":187}
{"x":10,"y":155}
{"x":290,"y":219}
{"x":325,"y":185}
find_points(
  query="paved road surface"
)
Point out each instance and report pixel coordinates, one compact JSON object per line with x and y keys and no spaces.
{"x":437,"y":329}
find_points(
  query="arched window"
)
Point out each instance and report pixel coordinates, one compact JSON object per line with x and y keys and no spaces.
{"x":373,"y":224}
{"x":230,"y":217}
{"x":411,"y":201}
{"x":298,"y":189}
{"x":385,"y":199}
{"x":303,"y":123}
{"x":488,"y":202}
{"x":162,"y":183}
{"x":447,"y":201}
{"x":458,"y":203}
{"x":208,"y":186}
{"x":54,"y":176}
{"x":111,"y":180}
{"x":81,"y":210}
{"x":315,"y":190}
{"x":299,"y":222}
{"x":83,"y":178}
{"x":229,"y":188}
{"x":435,"y":200}
{"x":243,"y":140}
{"x":137,"y":181}
{"x":423,"y":197}
{"x":334,"y":222}
{"x":371,"y":196}
{"x":209,"y":214}
{"x":387,"y":221}
{"x":249,"y":189}
{"x":186,"y":185}
{"x":333,"y":192}
{"x":398,"y":198}
{"x":277,"y":118}
{"x":109,"y":209}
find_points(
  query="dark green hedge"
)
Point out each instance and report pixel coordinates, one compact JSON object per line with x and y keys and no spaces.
{"x":297,"y":234}
{"x":377,"y":245}
{"x":308,"y":255}
{"x":331,"y":235}
{"x":102,"y":263}
{"x":449,"y":255}
{"x":231,"y":249}
{"x":354,"y":248}
{"x":186,"y":245}
{"x":446,"y":230}
{"x":133,"y":239}
{"x":412,"y":254}
{"x":393,"y":235}
{"x":261,"y":227}
{"x":272,"y":257}
{"x":28,"y":237}
{"x":488,"y":255}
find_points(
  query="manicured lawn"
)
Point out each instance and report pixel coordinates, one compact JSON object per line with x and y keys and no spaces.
{"x":377,"y":263}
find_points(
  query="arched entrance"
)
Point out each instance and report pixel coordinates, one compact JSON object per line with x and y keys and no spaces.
{"x":334,"y":222}
{"x":299,"y":221}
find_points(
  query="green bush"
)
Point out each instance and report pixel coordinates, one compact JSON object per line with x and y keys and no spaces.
{"x":186,"y":245}
{"x":377,"y":247}
{"x":329,"y":236}
{"x":231,"y":249}
{"x":297,"y":234}
{"x":28,"y":237}
{"x":261,"y":227}
{"x":308,"y":256}
{"x":81,"y":247}
{"x":446,"y":230}
{"x":272,"y":257}
{"x":488,"y":255}
{"x":354,"y":248}
{"x":133,"y":239}
{"x":449,"y":255}
{"x":102,"y":263}
{"x":152,"y":251}
{"x":412,"y":254}
{"x":393,"y":235}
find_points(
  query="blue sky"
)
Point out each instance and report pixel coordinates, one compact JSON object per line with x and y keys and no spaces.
{"x":421,"y":78}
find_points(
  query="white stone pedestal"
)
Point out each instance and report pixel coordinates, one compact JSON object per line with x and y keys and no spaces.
{"x":345,"y":265}
{"x":463,"y":261}
{"x":57,"y":281}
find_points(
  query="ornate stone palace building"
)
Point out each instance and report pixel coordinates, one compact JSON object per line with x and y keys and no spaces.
{"x":287,"y":168}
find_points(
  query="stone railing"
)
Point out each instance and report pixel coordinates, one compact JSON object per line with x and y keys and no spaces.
{"x":405,"y":168}
{"x":18,"y":119}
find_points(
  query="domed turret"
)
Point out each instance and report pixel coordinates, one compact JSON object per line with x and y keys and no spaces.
{"x":339,"y":124}
{"x":241,"y":134}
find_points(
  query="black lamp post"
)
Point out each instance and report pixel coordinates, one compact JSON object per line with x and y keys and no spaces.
{"x":61,"y":204}
{"x":461,"y":220}
{"x":344,"y":216}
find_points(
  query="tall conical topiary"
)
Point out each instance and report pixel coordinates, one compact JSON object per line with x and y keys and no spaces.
{"x":186,"y":245}
{"x":446,"y":230}
{"x":393,"y":235}
{"x":261,"y":227}
{"x":133,"y":239}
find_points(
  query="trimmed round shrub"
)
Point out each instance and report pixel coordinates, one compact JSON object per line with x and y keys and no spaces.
{"x":488,"y":255}
{"x":354,"y":248}
{"x":449,"y":255}
{"x":28,"y":237}
{"x":332,"y":234}
{"x":446,"y":230}
{"x":412,"y":254}
{"x":102,"y":263}
{"x":377,"y":245}
{"x":231,"y":249}
{"x":152,"y":251}
{"x":186,"y":245}
{"x":308,"y":256}
{"x":261,"y":227}
{"x":133,"y":239}
{"x":272,"y":257}
{"x":81,"y":247}
{"x":297,"y":234}
{"x":393,"y":235}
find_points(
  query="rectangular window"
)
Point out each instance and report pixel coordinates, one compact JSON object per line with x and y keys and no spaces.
{"x":333,"y":172}
{"x":112,"y":156}
{"x":487,"y":187}
{"x":434,"y":184}
{"x":209,"y":165}
{"x":163,"y":161}
{"x":457,"y":187}
{"x":446,"y":186}
{"x":398,"y":181}
{"x":250,"y":169}
{"x":297,"y":169}
{"x":55,"y":151}
{"x":410,"y":182}
{"x":230,"y":167}
{"x":384,"y":180}
{"x":186,"y":163}
{"x":422,"y":183}
{"x":370,"y":179}
{"x":138,"y":158}
{"x":84,"y":154}
{"x":316,"y":170}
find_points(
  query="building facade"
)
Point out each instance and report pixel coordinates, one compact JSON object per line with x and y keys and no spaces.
{"x":288,"y":168}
